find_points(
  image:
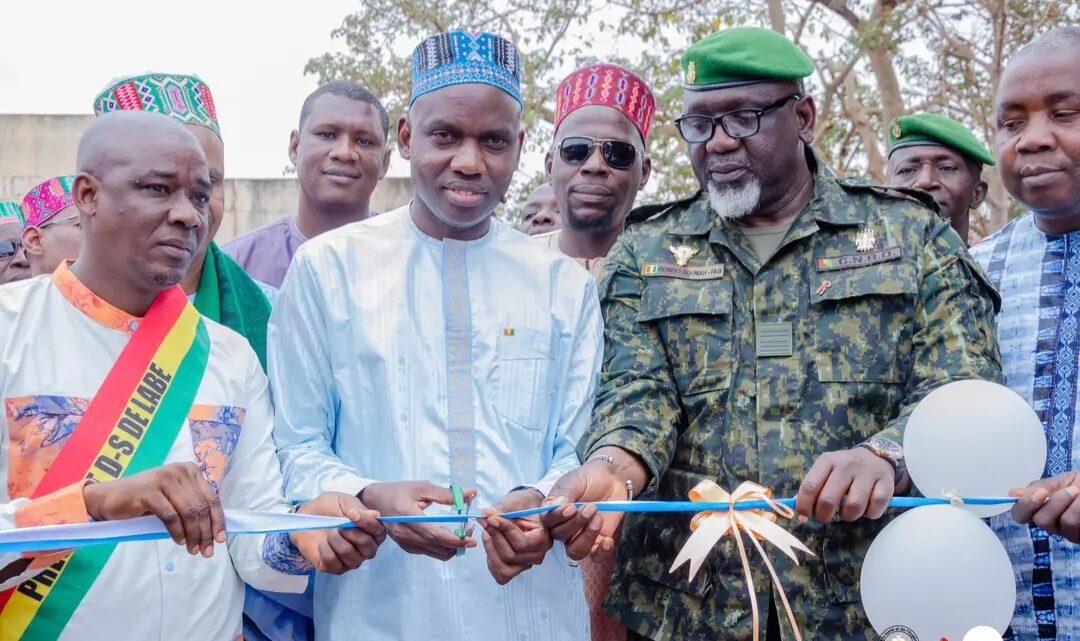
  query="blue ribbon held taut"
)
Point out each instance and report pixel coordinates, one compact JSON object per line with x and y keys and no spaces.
{"x":246,"y":522}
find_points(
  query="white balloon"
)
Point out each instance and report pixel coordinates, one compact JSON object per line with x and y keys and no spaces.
{"x":977,"y":438}
{"x":982,"y":633}
{"x":940,"y":571}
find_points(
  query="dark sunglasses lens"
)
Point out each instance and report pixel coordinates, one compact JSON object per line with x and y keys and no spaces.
{"x":619,"y":155}
{"x":575,"y":151}
{"x":8,"y":248}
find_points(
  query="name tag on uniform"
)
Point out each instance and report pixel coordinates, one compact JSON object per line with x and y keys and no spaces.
{"x":859,"y":260}
{"x":705,"y":272}
{"x":774,"y":339}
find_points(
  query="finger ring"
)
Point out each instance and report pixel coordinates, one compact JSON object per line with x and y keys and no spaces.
{"x":574,"y":563}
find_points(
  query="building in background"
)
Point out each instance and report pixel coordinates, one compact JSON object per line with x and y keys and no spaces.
{"x":35,"y":147}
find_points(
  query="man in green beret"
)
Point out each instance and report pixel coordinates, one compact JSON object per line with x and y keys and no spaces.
{"x":941,"y":157}
{"x":779,"y":326}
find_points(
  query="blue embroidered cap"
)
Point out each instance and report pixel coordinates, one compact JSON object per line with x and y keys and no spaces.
{"x":461,"y":58}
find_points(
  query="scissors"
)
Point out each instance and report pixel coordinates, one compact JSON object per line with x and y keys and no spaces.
{"x":461,"y":507}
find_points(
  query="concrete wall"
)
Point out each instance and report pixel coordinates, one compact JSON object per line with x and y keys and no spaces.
{"x":36,"y":147}
{"x":254,"y":202}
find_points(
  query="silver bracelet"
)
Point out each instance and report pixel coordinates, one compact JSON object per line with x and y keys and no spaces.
{"x":609,"y":459}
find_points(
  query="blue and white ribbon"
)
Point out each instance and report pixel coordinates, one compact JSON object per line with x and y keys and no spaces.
{"x":247,"y":522}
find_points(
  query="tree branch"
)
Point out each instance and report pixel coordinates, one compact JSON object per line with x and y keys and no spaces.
{"x":839,"y":8}
{"x":777,"y":19}
{"x":803,"y":19}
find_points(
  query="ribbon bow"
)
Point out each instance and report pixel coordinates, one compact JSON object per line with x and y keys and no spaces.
{"x":709,"y":527}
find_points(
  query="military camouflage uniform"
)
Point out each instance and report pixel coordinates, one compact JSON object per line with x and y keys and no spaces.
{"x":685,"y":386}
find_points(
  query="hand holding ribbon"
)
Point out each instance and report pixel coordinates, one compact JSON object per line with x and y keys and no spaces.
{"x":710,"y":526}
{"x":411,"y":498}
{"x":514,"y":545}
{"x":1052,"y":504}
{"x":337,"y":551}
{"x":586,"y":528}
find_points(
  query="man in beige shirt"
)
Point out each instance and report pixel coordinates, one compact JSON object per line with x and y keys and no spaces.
{"x":597,"y":163}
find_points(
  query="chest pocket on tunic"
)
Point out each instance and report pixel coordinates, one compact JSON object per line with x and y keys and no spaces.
{"x":863,"y":321}
{"x":522,"y":362}
{"x":694,"y":319}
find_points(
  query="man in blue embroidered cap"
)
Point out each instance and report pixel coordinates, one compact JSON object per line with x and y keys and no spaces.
{"x":436,"y":343}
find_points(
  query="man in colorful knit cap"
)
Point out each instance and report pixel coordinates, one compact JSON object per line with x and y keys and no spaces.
{"x":340,"y":153}
{"x":13,"y":263}
{"x":777,"y":327}
{"x":52,"y":233}
{"x":598,"y":161}
{"x":121,"y":400}
{"x":1034,"y":261}
{"x":220,"y":289}
{"x":435,"y":342}
{"x":940,"y":156}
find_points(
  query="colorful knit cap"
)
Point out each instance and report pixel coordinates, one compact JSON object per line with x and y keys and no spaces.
{"x":11,"y":212}
{"x":186,"y":98}
{"x":47,"y":200}
{"x":606,"y":85}
{"x":460,"y":58}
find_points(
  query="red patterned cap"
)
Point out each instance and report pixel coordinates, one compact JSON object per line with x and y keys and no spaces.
{"x":610,"y":86}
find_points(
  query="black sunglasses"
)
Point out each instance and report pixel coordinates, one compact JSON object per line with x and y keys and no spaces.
{"x":575,"y":150}
{"x":738,"y":124}
{"x":9,"y":248}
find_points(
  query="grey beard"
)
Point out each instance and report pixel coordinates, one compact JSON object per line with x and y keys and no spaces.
{"x":735,"y":203}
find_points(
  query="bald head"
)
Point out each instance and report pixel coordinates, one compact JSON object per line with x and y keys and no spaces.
{"x":1037,"y":118}
{"x":113,"y":137}
{"x":1053,"y":42}
{"x":143,"y":189}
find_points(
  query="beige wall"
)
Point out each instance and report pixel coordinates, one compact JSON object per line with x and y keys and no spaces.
{"x":36,"y":147}
{"x":253,"y":202}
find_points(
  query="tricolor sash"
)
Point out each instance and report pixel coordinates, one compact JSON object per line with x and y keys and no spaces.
{"x":129,"y":427}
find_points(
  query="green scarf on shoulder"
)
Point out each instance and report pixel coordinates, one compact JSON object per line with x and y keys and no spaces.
{"x":229,"y":296}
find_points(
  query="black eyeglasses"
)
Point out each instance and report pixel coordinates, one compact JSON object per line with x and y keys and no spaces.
{"x":741,"y":123}
{"x":575,"y":150}
{"x":9,"y":248}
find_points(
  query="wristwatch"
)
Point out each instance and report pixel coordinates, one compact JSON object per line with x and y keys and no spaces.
{"x":891,"y":451}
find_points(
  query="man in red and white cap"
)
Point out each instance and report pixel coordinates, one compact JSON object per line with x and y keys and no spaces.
{"x":596,"y":166}
{"x":598,"y":161}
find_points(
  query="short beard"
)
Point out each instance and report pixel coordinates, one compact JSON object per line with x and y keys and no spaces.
{"x":733,"y":203}
{"x":589,"y":226}
{"x":165,"y":281}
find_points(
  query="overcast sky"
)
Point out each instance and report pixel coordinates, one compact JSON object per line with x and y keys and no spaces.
{"x":56,"y":55}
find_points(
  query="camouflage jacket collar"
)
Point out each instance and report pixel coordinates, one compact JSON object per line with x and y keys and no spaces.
{"x":696,"y":220}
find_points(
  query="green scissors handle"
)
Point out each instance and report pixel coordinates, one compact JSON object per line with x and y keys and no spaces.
{"x":458,"y":497}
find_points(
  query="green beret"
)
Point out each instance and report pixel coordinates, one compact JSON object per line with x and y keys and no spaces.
{"x":742,"y":56}
{"x":933,"y":129}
